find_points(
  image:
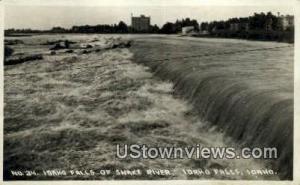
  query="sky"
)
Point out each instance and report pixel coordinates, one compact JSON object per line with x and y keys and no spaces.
{"x":40,"y":14}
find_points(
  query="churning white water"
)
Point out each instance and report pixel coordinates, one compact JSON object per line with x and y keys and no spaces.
{"x":70,"y":110}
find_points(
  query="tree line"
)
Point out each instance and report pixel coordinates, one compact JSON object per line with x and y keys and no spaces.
{"x":121,"y":27}
{"x":260,"y":26}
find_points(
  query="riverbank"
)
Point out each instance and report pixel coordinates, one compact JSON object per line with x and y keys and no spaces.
{"x":272,"y":36}
{"x":253,"y":35}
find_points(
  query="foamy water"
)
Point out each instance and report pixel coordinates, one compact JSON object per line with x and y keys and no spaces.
{"x":69,"y":111}
{"x":244,"y":88}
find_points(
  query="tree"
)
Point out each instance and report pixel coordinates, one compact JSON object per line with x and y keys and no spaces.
{"x":204,"y":26}
{"x":154,"y":29}
{"x":122,"y":27}
{"x":168,"y":28}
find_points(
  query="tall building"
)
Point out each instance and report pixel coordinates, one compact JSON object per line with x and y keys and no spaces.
{"x":140,"y":24}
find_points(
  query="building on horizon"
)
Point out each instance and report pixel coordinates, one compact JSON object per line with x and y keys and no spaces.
{"x":239,"y":26}
{"x":187,"y":29}
{"x":140,"y":24}
{"x":286,"y":22}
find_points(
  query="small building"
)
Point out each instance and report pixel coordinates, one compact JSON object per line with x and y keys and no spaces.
{"x":234,"y":27}
{"x":239,"y":27}
{"x":268,"y":24}
{"x":187,"y":30}
{"x":286,"y":21}
{"x":140,"y":24}
{"x":245,"y":26}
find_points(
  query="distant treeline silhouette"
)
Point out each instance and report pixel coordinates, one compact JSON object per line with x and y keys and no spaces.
{"x":121,"y":27}
{"x":260,"y":26}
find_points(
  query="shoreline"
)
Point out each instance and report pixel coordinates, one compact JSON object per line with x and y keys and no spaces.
{"x":162,"y":34}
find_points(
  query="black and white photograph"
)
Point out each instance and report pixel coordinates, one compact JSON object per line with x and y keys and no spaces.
{"x":143,"y":90}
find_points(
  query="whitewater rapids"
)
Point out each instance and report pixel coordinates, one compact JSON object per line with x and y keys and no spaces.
{"x":69,"y":110}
